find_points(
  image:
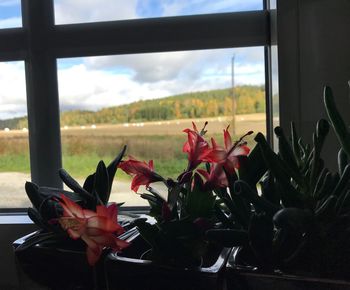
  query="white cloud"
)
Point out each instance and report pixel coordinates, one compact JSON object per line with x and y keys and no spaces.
{"x":12,"y":92}
{"x":6,"y":3}
{"x":93,"y":89}
{"x":183,"y":66}
{"x":152,"y":67}
{"x":108,"y":81}
{"x":78,"y":11}
{"x":11,"y":22}
{"x":172,"y":8}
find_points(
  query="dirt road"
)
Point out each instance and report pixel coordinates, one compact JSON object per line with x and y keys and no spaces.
{"x":13,"y":194}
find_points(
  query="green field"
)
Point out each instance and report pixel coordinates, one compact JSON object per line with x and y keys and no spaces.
{"x":83,"y":147}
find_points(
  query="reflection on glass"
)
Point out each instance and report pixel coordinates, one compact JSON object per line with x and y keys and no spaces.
{"x":14,"y":152}
{"x":146,"y":100}
{"x":10,"y":14}
{"x":67,"y":11}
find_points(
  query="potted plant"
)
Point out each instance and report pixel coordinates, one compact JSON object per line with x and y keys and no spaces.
{"x":298,"y":227}
{"x":173,"y":252}
{"x":74,"y":229}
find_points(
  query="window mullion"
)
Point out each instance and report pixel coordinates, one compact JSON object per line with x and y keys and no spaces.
{"x":42,"y":94}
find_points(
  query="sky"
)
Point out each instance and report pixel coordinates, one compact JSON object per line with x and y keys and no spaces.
{"x":95,"y":82}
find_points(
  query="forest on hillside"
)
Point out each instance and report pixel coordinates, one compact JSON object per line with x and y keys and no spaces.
{"x":250,"y":99}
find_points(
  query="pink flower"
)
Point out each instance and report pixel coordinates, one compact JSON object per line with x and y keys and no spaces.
{"x":142,"y":172}
{"x":195,"y":146}
{"x":227,"y":156}
{"x":97,"y":229}
{"x":215,"y":178}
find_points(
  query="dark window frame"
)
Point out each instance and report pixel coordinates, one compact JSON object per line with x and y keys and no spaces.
{"x":40,"y":42}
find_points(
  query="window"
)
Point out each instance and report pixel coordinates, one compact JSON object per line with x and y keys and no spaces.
{"x":14,"y":148}
{"x":10,"y":13}
{"x":124,"y":45}
{"x":67,"y":11}
{"x":146,"y":100}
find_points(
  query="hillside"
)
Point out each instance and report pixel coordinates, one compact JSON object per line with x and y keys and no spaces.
{"x":250,"y":99}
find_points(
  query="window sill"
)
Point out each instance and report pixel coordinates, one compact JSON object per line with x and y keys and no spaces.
{"x":14,"y":218}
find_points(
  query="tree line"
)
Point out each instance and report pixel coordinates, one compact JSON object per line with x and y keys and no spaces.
{"x":249,"y":99}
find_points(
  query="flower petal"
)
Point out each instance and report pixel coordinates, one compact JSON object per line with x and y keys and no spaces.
{"x":217,"y":155}
{"x":102,"y":223}
{"x":204,"y":173}
{"x":93,"y":254}
{"x":139,"y":180}
{"x":70,"y":208}
{"x":241,"y":150}
{"x":227,"y":139}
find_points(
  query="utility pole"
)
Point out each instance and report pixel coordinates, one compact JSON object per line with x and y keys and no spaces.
{"x":234,"y":104}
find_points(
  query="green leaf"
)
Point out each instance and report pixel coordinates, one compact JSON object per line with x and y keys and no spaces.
{"x":33,"y":194}
{"x":242,"y":188}
{"x":343,"y":182}
{"x":112,"y":169}
{"x":238,"y":207}
{"x":286,"y":151}
{"x":342,"y":160}
{"x":327,"y":208}
{"x":295,"y":145}
{"x":289,"y":195}
{"x":37,"y":218}
{"x":257,"y":166}
{"x":268,"y":189}
{"x":336,"y":120}
{"x":199,"y":202}
{"x":101,"y":183}
{"x":343,"y":203}
{"x":299,"y":220}
{"x":147,"y":231}
{"x":228,"y":237}
{"x":73,"y":184}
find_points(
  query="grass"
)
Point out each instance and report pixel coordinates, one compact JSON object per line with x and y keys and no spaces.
{"x":83,"y":149}
{"x":15,"y":163}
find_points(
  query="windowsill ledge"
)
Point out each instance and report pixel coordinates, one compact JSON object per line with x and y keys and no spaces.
{"x":14,"y":219}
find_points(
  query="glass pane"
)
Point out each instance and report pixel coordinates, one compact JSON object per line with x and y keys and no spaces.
{"x":10,"y":13}
{"x":14,"y":151}
{"x":146,"y":100}
{"x":67,"y":11}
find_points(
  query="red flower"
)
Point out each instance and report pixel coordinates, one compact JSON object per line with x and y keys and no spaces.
{"x":227,"y":156}
{"x":215,"y":178}
{"x":97,"y":229}
{"x":194,"y":147}
{"x":143,"y":173}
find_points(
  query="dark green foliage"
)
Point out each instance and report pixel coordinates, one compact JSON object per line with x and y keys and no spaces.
{"x":301,"y":221}
{"x":199,"y":202}
{"x":337,"y":121}
{"x":96,"y":191}
{"x":228,"y":237}
{"x":178,"y":236}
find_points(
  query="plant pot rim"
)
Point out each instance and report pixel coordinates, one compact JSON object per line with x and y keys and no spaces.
{"x":214,"y":268}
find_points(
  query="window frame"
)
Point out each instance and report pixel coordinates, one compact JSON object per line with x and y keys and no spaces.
{"x":40,"y":42}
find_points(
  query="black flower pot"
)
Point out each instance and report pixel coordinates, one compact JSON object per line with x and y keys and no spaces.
{"x":56,"y":264}
{"x":129,"y":270}
{"x":241,"y":275}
